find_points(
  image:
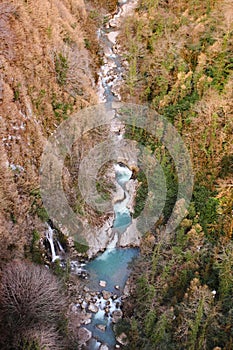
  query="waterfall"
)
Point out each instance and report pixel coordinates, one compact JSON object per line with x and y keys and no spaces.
{"x":60,"y":247}
{"x":49,"y":235}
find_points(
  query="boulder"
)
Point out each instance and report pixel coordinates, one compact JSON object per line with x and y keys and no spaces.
{"x":104,"y":347}
{"x":74,"y":308}
{"x":87,"y":318}
{"x":102,"y":283}
{"x":87,"y":297}
{"x":122,"y":339}
{"x":101,"y":327}
{"x":84,"y":304}
{"x":117,"y":316}
{"x":106,"y":294}
{"x":87,"y":321}
{"x":84,"y":335}
{"x":93,"y":308}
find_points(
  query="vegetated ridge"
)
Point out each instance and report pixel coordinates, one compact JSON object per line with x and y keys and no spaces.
{"x":180,"y":62}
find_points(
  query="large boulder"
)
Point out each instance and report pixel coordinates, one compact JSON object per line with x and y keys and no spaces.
{"x":106,"y":294}
{"x":101,"y":327}
{"x":84,"y":335}
{"x":93,"y":308}
{"x":117,"y":316}
{"x":122,"y":339}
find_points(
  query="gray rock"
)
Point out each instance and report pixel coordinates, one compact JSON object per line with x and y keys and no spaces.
{"x":87,"y":318}
{"x":74,"y":308}
{"x":102,"y":283}
{"x":87,"y":297}
{"x":117,"y":316}
{"x":101,"y":327}
{"x":106,"y":294}
{"x":84,"y":305}
{"x":84,"y":335}
{"x":104,"y":347}
{"x":88,"y":321}
{"x":122,"y":339}
{"x":93,"y":308}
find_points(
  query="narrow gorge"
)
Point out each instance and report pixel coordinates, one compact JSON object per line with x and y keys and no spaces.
{"x":106,"y":274}
{"x":116,"y":174}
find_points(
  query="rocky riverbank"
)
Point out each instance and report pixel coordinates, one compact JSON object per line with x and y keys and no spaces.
{"x":104,"y":307}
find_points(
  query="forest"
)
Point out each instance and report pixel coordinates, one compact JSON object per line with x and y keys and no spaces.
{"x":179,"y":60}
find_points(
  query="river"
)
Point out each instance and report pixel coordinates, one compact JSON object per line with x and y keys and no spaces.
{"x":109,"y":271}
{"x":112,"y":266}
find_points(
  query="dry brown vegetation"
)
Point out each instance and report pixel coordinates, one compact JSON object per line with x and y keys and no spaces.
{"x":31,"y":300}
{"x":48,"y":61}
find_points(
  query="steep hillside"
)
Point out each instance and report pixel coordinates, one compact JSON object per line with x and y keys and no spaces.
{"x":48,"y":59}
{"x":180,"y":60}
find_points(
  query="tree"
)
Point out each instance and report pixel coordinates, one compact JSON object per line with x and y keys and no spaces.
{"x":30,"y":298}
{"x":37,"y":339}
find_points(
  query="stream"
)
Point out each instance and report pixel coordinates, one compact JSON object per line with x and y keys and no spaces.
{"x":112,"y":266}
{"x":109,"y":271}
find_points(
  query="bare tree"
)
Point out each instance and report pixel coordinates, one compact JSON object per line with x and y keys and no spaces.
{"x":39,"y":338}
{"x":29,"y":295}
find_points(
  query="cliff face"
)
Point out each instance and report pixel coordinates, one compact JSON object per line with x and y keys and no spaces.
{"x":48,"y":62}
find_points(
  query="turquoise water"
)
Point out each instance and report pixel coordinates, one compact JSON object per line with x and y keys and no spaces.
{"x":107,"y":337}
{"x":122,"y":220}
{"x":112,"y":266}
{"x":122,"y":214}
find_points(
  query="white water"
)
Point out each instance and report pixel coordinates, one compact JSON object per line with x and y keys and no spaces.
{"x":110,"y":78}
{"x":109,"y":248}
{"x":49,"y":235}
{"x":122,"y":213}
{"x":123,"y":173}
{"x":102,"y":303}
